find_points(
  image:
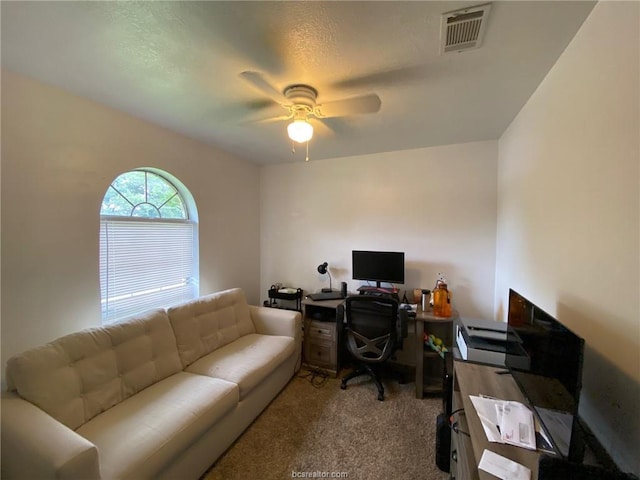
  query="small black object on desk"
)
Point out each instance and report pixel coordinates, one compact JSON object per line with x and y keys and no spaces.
{"x":276,"y":293}
{"x":325,"y":296}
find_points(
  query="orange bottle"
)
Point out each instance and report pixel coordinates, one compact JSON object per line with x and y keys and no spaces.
{"x":441,"y":300}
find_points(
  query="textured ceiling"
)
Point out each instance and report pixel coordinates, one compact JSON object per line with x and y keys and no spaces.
{"x":176,"y":64}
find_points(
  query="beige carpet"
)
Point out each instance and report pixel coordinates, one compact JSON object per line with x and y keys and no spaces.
{"x":311,"y":428}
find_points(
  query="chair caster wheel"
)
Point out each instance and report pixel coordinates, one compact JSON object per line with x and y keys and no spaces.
{"x":381,"y":396}
{"x":343,"y":386}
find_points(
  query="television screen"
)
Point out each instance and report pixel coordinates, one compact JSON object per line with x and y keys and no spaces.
{"x":545,"y":358}
{"x":378,"y":266}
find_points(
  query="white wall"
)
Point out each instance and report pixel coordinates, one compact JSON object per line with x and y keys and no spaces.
{"x":569,"y":219}
{"x":59,"y":155}
{"x":438,"y":205}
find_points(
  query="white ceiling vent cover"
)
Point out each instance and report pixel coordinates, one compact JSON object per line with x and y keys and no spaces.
{"x":463,"y":29}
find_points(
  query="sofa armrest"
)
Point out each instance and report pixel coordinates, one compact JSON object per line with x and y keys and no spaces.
{"x":35,"y":445}
{"x":274,"y":321}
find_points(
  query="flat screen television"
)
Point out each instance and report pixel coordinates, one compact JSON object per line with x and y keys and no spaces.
{"x":378,"y":267}
{"x":545,"y":359}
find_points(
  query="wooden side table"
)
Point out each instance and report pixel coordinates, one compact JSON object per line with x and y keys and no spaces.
{"x":430,"y":367}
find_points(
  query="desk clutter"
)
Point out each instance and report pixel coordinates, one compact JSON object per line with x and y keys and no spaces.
{"x":291,"y":295}
{"x":435,"y":343}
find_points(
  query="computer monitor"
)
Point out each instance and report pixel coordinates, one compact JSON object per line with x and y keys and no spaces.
{"x":377,"y":266}
{"x":545,"y":358}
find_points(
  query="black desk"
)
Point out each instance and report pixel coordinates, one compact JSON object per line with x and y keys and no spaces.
{"x":323,"y":342}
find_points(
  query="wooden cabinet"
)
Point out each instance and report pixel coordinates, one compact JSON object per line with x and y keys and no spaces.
{"x":321,"y":345}
{"x":322,"y":334}
{"x":430,"y":366}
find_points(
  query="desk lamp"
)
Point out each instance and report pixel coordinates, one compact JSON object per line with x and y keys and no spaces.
{"x":322,"y":269}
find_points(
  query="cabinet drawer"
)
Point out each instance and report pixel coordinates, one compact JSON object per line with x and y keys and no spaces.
{"x":322,"y":330}
{"x":319,"y":353}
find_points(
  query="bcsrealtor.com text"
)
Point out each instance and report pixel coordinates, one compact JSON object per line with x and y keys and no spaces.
{"x":319,"y":474}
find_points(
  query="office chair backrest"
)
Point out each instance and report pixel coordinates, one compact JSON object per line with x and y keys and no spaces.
{"x":371,"y":329}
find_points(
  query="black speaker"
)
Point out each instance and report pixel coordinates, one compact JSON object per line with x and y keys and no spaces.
{"x":343,"y":289}
{"x":443,"y":442}
{"x":447,"y":397}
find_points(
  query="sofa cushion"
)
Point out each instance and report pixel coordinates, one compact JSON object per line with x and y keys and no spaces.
{"x":76,"y":377}
{"x":247,"y":361}
{"x":203,"y":325}
{"x":140,"y":436}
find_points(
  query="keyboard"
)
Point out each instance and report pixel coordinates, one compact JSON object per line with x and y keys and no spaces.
{"x":325,"y":296}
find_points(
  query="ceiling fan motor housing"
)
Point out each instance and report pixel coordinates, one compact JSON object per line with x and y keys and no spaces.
{"x":301,"y":95}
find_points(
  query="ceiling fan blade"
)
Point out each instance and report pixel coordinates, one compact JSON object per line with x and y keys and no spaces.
{"x":322,"y":127}
{"x":258,"y":82}
{"x":350,"y":106}
{"x":269,"y":116}
{"x":281,"y":118}
{"x":233,"y":112}
{"x":385,"y":78}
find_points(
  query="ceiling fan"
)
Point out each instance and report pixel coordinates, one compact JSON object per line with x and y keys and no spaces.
{"x":299,"y":101}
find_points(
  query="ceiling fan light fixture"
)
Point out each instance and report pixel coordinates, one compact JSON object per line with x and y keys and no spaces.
{"x":300,"y":131}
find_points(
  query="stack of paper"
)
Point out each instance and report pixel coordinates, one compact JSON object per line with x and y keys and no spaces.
{"x":506,"y":421}
{"x":516,"y":425}
{"x":502,"y":467}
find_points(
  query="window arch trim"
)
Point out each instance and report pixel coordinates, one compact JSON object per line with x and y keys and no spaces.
{"x":129,"y":204}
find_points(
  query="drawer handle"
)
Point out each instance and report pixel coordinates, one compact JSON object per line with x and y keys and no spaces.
{"x":454,"y":455}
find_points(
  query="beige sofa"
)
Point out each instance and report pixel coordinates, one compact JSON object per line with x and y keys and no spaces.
{"x":161,"y":395}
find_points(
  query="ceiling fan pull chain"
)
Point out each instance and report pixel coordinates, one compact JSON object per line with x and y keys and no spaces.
{"x":293,"y":147}
{"x":307,"y":157}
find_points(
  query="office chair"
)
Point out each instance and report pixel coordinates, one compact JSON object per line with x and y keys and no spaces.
{"x":372,"y":335}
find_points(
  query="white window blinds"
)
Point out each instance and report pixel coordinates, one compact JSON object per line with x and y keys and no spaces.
{"x":145,"y":264}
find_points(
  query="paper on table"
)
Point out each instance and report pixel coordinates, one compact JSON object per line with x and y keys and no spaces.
{"x":502,"y":467}
{"x":516,"y":425}
{"x":486,"y":410}
{"x":505,"y":421}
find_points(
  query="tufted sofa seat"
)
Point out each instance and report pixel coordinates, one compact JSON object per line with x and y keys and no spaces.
{"x":159,"y":395}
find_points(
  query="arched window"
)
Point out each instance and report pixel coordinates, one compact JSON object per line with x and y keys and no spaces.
{"x":148,"y":245}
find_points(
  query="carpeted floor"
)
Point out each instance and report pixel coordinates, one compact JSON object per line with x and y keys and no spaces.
{"x":311,"y":428}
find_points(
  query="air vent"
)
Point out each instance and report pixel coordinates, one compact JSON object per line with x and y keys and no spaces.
{"x":463,"y":29}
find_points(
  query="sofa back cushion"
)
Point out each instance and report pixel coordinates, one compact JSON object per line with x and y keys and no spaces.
{"x":76,"y":377}
{"x":210,"y":322}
